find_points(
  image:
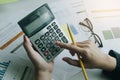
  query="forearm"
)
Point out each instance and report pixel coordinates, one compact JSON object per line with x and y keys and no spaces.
{"x":43,"y":75}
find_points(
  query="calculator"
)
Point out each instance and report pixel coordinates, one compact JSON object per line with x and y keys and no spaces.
{"x":43,"y":30}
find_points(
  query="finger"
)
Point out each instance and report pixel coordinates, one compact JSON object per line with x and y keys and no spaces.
{"x":82,"y":45}
{"x":83,"y":42}
{"x":28,"y":46}
{"x":69,"y":47}
{"x":30,"y":51}
{"x":72,"y":53}
{"x":71,"y":61}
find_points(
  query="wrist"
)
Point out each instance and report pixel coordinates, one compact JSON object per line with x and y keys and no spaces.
{"x":43,"y":75}
{"x":109,"y":63}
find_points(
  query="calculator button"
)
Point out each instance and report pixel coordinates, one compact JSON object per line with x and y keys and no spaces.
{"x":52,"y":48}
{"x":45,"y":41}
{"x":43,"y":49}
{"x":53,"y":53}
{"x":49,"y":57}
{"x":49,"y":38}
{"x":64,"y":39}
{"x":37,"y":41}
{"x":48,"y":45}
{"x":40,"y":45}
{"x":55,"y":27}
{"x":61,"y":34}
{"x":51,"y":30}
{"x":57,"y":49}
{"x":58,"y":31}
{"x":54,"y":34}
{"x":47,"y":34}
{"x":49,"y":27}
{"x":46,"y":53}
{"x":57,"y":38}
{"x":53,"y":41}
{"x":42,"y":37}
{"x":53,"y":24}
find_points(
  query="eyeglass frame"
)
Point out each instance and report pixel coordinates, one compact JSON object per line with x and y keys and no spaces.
{"x":90,"y":27}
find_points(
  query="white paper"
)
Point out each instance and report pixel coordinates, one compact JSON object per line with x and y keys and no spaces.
{"x":14,"y":68}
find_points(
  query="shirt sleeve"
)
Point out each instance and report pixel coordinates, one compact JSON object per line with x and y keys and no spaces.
{"x":115,"y":74}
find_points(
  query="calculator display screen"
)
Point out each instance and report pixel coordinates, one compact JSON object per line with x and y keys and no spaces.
{"x":37,"y":20}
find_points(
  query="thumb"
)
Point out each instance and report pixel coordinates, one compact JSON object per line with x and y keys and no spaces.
{"x":70,"y":61}
{"x":33,"y":55}
{"x":27,"y":45}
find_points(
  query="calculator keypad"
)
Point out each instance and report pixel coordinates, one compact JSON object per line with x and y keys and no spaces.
{"x":46,"y":42}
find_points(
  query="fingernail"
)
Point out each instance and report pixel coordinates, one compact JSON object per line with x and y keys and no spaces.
{"x":25,"y":38}
{"x":64,"y":59}
{"x":57,"y":42}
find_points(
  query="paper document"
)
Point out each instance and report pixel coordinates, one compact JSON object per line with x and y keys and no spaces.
{"x":72,"y":11}
{"x":7,"y":38}
{"x":105,"y":12}
{"x":6,"y":1}
{"x":14,"y":68}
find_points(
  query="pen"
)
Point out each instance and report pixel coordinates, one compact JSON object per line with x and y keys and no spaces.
{"x":80,"y":61}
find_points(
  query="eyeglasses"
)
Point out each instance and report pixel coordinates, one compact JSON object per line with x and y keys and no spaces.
{"x":88,"y":27}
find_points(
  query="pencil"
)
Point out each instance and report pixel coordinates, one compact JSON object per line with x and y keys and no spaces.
{"x":80,"y":61}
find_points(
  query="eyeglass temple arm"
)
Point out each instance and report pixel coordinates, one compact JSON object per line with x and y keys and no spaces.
{"x":84,"y":24}
{"x":100,"y":43}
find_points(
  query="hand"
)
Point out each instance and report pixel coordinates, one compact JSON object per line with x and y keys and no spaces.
{"x":42,"y":68}
{"x":91,"y":55}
